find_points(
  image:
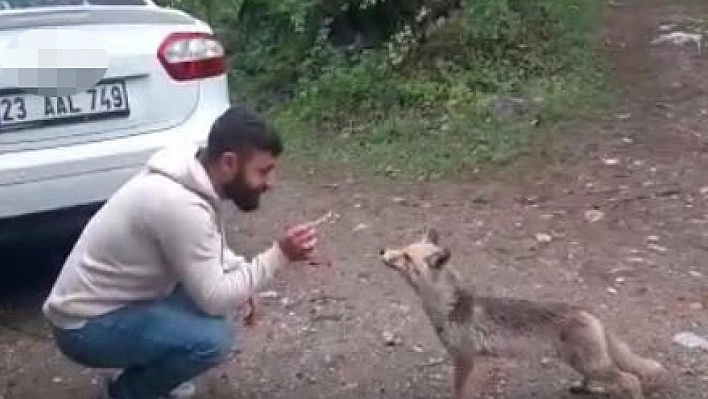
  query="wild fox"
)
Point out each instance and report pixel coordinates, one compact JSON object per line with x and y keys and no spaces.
{"x":471,"y":326}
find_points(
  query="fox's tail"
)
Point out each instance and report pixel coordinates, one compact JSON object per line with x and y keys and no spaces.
{"x":651,"y":373}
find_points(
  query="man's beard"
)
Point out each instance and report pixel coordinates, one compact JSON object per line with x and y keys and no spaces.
{"x":244,"y":197}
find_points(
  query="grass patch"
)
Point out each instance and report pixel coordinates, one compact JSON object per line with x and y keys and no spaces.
{"x":432,"y":118}
{"x":350,"y":83}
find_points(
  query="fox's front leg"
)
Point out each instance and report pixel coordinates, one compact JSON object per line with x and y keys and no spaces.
{"x":463,"y":364}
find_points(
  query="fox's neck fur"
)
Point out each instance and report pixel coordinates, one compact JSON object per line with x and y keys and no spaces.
{"x":445,"y":300}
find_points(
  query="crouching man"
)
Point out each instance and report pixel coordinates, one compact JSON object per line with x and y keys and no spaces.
{"x":150,"y":285}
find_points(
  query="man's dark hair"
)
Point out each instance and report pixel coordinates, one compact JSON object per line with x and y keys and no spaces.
{"x":241,"y":130}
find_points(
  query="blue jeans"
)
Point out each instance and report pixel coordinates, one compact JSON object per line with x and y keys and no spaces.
{"x":158,"y":344}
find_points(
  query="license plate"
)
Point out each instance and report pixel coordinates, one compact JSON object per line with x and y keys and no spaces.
{"x":103,"y":101}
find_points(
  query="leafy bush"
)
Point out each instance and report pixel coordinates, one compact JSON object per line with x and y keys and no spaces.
{"x":375,"y":78}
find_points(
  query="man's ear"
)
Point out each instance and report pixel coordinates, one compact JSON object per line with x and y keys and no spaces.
{"x":431,"y":236}
{"x":233,"y":160}
{"x":438,"y":259}
{"x":226,"y":163}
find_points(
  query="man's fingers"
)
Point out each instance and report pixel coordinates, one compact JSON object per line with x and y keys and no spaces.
{"x":309,"y":245}
{"x":306,"y":236}
{"x":303,"y":236}
{"x":300,"y":231}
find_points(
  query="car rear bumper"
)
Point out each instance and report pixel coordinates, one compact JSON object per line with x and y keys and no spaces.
{"x":45,"y":228}
{"x":65,"y":177}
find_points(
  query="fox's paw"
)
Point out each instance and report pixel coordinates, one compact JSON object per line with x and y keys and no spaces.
{"x":656,"y":380}
{"x":582,"y":388}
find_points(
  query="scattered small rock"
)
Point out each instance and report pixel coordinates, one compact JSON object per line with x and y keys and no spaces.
{"x":695,"y":274}
{"x":398,"y":200}
{"x":391,"y":339}
{"x":480,"y":199}
{"x":364,"y":276}
{"x":287,"y":302}
{"x":57,"y":380}
{"x":268,"y":295}
{"x":405,"y":309}
{"x":330,"y":361}
{"x":679,"y":39}
{"x":360,"y":226}
{"x":544,"y":238}
{"x":624,"y":117}
{"x":696,"y":306}
{"x":391,"y":171}
{"x":529,"y":244}
{"x":611,"y":161}
{"x":657,"y":248}
{"x":653,"y":239}
{"x":593,"y":215}
{"x":690,"y":340}
{"x":529,"y":200}
{"x":327,"y":317}
{"x":612,"y":290}
{"x":509,"y":107}
{"x":349,"y":386}
{"x":438,"y":376}
{"x":621,"y":269}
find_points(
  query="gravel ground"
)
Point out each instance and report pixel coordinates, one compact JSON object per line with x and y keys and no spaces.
{"x":619,"y":229}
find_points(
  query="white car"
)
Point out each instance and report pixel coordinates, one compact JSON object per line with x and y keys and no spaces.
{"x":89,"y":89}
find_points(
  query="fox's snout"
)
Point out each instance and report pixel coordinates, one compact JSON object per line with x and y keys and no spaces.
{"x":389,"y":257}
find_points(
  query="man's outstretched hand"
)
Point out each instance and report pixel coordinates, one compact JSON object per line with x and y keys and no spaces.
{"x":298,"y":242}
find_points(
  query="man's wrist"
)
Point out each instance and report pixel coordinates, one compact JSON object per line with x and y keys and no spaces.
{"x":277,"y":257}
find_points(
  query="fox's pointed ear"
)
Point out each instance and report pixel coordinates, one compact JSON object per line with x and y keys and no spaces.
{"x":432,"y":236}
{"x":438,"y":259}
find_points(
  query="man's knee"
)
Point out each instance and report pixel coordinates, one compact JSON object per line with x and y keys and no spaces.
{"x":215,"y":342}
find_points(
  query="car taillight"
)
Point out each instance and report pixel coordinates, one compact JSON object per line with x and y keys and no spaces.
{"x":192,"y":55}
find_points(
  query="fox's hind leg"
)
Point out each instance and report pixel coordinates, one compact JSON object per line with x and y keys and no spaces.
{"x":586,"y":350}
{"x":463,"y":364}
{"x":584,"y":387}
{"x":596,"y":366}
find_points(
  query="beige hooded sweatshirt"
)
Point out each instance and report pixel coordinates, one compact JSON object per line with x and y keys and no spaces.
{"x":161,"y":228}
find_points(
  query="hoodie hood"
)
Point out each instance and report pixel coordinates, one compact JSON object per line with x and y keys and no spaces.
{"x":180,"y":164}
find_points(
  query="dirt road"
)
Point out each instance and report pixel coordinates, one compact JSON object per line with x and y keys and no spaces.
{"x":621,"y":229}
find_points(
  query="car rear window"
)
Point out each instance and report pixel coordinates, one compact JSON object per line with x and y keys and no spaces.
{"x":20,"y":4}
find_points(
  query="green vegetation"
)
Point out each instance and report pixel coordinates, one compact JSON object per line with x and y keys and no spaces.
{"x":407,"y":87}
